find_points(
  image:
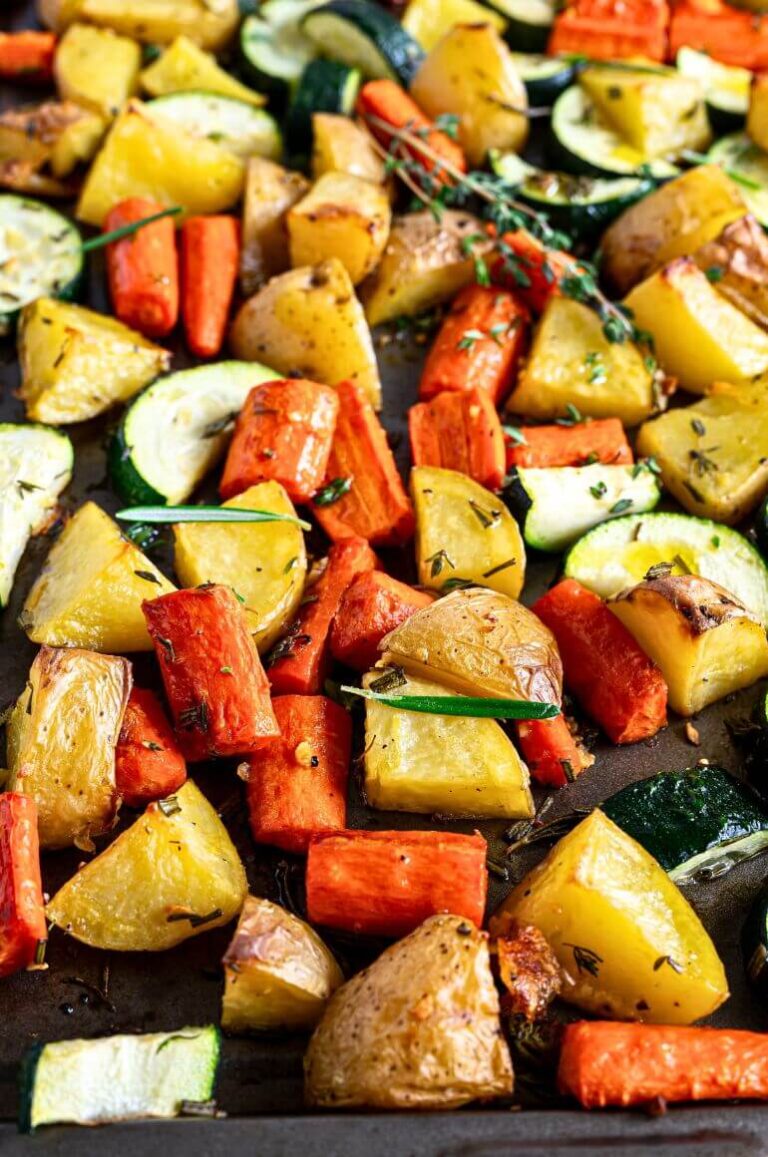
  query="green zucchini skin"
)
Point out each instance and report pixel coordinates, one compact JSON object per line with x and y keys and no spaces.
{"x":754,"y":941}
{"x":325,"y":86}
{"x":362,"y":35}
{"x":129,"y":484}
{"x":544,"y":77}
{"x":761,"y":528}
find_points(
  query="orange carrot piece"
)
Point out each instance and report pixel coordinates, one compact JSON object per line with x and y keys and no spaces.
{"x":297,"y":784}
{"x":387,"y":883}
{"x":603,"y":440}
{"x":210,"y":253}
{"x":612,"y":29}
{"x":214,"y":681}
{"x":148,"y":763}
{"x":372,"y":606}
{"x":459,"y":432}
{"x":551,"y":751}
{"x":143,"y":269}
{"x":27,"y":55}
{"x":373,"y":502}
{"x":605,"y":668}
{"x":614,"y":1063}
{"x":284,"y":432}
{"x":22,"y":914}
{"x":301,"y":657}
{"x":479,"y":345}
{"x":536,"y":272}
{"x":725,"y":33}
{"x":382,"y":102}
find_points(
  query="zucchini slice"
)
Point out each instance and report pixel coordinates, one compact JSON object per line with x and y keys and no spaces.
{"x":696,"y":823}
{"x":726,"y":88}
{"x":556,"y":505}
{"x":325,"y":86}
{"x":364,"y":36}
{"x":235,"y":125}
{"x":119,"y":1078}
{"x":35,"y":466}
{"x":41,"y":255}
{"x":544,"y":77}
{"x":618,"y":555}
{"x":177,"y":430}
{"x":529,"y":22}
{"x":748,"y":166}
{"x":584,"y":144}
{"x":273,"y":46}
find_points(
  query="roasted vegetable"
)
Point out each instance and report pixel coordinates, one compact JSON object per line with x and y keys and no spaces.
{"x":339,"y":145}
{"x":210,"y":256}
{"x":208,"y":24}
{"x":278,"y":974}
{"x":57,"y":135}
{"x":373,"y":604}
{"x":736,"y":261}
{"x":148,"y":763}
{"x":270,"y":191}
{"x":185,"y":67}
{"x":22,"y":918}
{"x":391,"y":115}
{"x":61,"y":741}
{"x":552,"y":750}
{"x":602,"y":440}
{"x":459,"y":431}
{"x":143,"y":268}
{"x":342,"y":216}
{"x":757,"y":116}
{"x":97,"y":69}
{"x":629,"y":943}
{"x":27,"y":55}
{"x":418,"y":1029}
{"x":528,"y":970}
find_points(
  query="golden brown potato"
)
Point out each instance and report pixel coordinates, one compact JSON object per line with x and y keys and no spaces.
{"x":339,"y":145}
{"x":210,"y":23}
{"x":737,"y":263}
{"x":757,"y":116}
{"x":418,"y":1029}
{"x":56,"y":134}
{"x":341,"y":216}
{"x":270,"y":190}
{"x":97,"y":69}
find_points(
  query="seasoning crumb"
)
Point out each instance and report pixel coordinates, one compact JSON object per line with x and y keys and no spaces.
{"x":692,"y":734}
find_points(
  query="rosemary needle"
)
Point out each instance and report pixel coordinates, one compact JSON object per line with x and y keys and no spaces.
{"x":467,"y":705}
{"x":204,"y":514}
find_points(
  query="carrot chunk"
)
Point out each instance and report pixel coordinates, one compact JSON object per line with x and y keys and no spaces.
{"x":552,"y":753}
{"x":612,"y":29}
{"x":148,"y":763}
{"x":143,"y":269}
{"x":210,"y":256}
{"x":603,"y":440}
{"x":385,"y":106}
{"x":531,"y":270}
{"x":725,"y":33}
{"x":22,"y":915}
{"x":460,"y":432}
{"x":27,"y":55}
{"x":372,"y":606}
{"x":387,"y":883}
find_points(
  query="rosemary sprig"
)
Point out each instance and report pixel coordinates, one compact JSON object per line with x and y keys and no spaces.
{"x":469,"y":706}
{"x":128,"y":230}
{"x":204,"y":514}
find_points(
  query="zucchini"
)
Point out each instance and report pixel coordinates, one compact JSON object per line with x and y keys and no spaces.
{"x":544,"y":77}
{"x":726,"y":88}
{"x":747,"y":164}
{"x":234,"y":124}
{"x":176,"y":431}
{"x":761,"y":527}
{"x":584,"y":144}
{"x":325,"y":86}
{"x":529,"y":22}
{"x":611,"y":558}
{"x":364,"y":36}
{"x":35,"y":466}
{"x":41,"y":255}
{"x":754,"y":940}
{"x":273,"y":47}
{"x":554,"y":506}
{"x":696,"y":823}
{"x":119,"y":1078}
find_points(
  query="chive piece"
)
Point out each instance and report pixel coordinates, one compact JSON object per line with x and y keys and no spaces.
{"x":204,"y":514}
{"x":470,"y":706}
{"x":128,"y":230}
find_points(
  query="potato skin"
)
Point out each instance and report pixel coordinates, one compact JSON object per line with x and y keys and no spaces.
{"x":418,"y":1029}
{"x":702,"y":603}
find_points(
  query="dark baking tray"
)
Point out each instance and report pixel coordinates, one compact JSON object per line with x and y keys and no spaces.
{"x":260,"y":1084}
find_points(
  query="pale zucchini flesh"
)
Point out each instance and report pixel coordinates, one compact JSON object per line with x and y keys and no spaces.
{"x":41,"y":255}
{"x":233,"y":124}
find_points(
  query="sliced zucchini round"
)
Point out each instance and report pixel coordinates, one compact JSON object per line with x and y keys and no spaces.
{"x":176,"y":431}
{"x":325,"y":86}
{"x":364,"y":36}
{"x":41,"y":255}
{"x":529,"y":22}
{"x":747,"y":165}
{"x":618,"y":555}
{"x":236,"y":126}
{"x":273,"y":46}
{"x":584,"y":144}
{"x":726,"y":88}
{"x":544,"y":77}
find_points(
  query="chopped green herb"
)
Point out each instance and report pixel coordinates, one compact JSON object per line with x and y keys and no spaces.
{"x":333,"y":491}
{"x":599,"y":490}
{"x":177,"y":514}
{"x":467,"y":706}
{"x":437,"y":561}
{"x":620,"y":506}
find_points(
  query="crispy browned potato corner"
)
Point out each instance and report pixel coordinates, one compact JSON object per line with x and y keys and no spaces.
{"x":528,"y":970}
{"x":737,"y":263}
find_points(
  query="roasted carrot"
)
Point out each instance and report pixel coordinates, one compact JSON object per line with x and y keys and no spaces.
{"x":478,"y":346}
{"x":214,"y":681}
{"x":553,"y":755}
{"x":297,"y":784}
{"x":387,"y":883}
{"x":386,"y":107}
{"x":284,"y":433}
{"x":531,"y":270}
{"x":612,"y":29}
{"x":372,"y":606}
{"x":210,"y":253}
{"x":613,"y":679}
{"x":459,"y":432}
{"x":300,"y":659}
{"x":613,"y":1063}
{"x":603,"y":440}
{"x":363,"y":493}
{"x":22,"y":914}
{"x":143,"y":269}
{"x":148,"y":763}
{"x":27,"y":55}
{"x":724,"y":32}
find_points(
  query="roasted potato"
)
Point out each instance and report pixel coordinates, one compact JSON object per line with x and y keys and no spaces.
{"x":757,"y":115}
{"x":209,"y":23}
{"x":440,"y":763}
{"x":265,"y":562}
{"x":341,"y":146}
{"x":699,"y":337}
{"x":736,"y":261}
{"x":630,"y":945}
{"x":572,"y":363}
{"x":185,"y":67}
{"x":479,"y":642}
{"x":91,"y":587}
{"x":76,"y":363}
{"x":97,"y":69}
{"x":173,"y":874}
{"x":471,"y":73}
{"x":464,"y":533}
{"x":270,"y":191}
{"x":705,"y":642}
{"x":57,"y":135}
{"x":308,"y":322}
{"x":278,"y":974}
{"x":429,"y":20}
{"x":61,"y":740}
{"x":418,"y":1029}
{"x":341,"y":216}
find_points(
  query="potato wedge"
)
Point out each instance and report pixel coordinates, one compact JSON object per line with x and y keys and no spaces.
{"x":572,"y":363}
{"x":439,"y":763}
{"x":209,"y":23}
{"x":464,"y":533}
{"x":757,"y":115}
{"x":479,"y":642}
{"x":418,"y":1029}
{"x":173,"y":874}
{"x":699,"y":337}
{"x":308,"y":322}
{"x":704,"y":641}
{"x":630,"y":945}
{"x":61,"y":743}
{"x":736,"y":262}
{"x":270,"y":191}
{"x":76,"y":363}
{"x":266,"y":563}
{"x":278,"y":973}
{"x":57,"y":134}
{"x":342,"y":216}
{"x":185,"y":67}
{"x":339,"y":145}
{"x":97,"y":69}
{"x":91,"y":587}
